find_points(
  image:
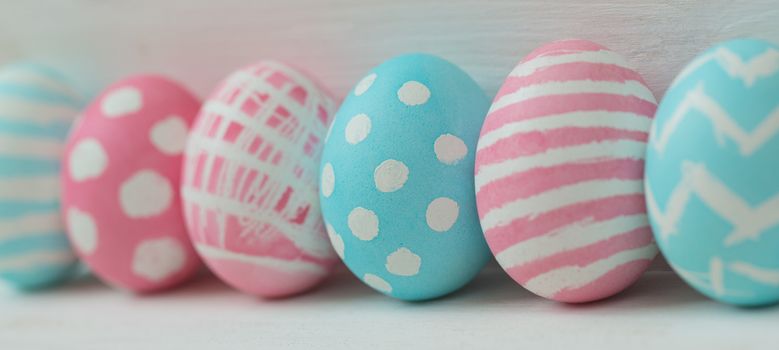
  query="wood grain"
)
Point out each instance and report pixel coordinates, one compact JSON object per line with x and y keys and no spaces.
{"x":200,"y":41}
{"x":492,"y":312}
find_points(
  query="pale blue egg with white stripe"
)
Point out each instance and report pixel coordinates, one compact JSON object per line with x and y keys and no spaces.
{"x":37,"y":107}
{"x":711,"y":173}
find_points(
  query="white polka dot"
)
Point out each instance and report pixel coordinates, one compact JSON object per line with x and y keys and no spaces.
{"x":88,"y":159}
{"x":169,"y":135}
{"x":157,"y":259}
{"x":364,"y":84}
{"x":328,"y":180}
{"x":363,"y":223}
{"x":121,"y":102}
{"x":442,"y":214}
{"x":377,"y":283}
{"x":358,"y":129}
{"x":413,"y":93}
{"x":390,"y":175}
{"x":83,"y":230}
{"x":336,"y":241}
{"x":450,"y":149}
{"x":403,"y":262}
{"x":145,"y":194}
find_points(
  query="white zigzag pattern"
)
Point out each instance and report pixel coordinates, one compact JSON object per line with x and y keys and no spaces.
{"x":714,"y":279}
{"x":722,"y":122}
{"x":748,"y":222}
{"x":755,"y":273}
{"x":761,"y":66}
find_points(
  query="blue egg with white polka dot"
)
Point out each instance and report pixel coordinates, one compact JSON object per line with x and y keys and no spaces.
{"x":37,"y":107}
{"x":397,"y":187}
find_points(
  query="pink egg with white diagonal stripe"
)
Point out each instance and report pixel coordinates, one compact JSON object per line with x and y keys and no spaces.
{"x":250,"y":183}
{"x":559,"y":173}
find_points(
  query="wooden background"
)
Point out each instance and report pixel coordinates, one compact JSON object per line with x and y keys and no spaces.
{"x":200,"y":41}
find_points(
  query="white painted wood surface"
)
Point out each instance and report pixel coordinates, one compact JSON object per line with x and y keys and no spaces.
{"x":200,"y":41}
{"x":660,"y":312}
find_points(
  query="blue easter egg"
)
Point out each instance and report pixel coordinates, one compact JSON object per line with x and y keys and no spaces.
{"x":397,"y":188}
{"x":711,"y":173}
{"x":37,"y":107}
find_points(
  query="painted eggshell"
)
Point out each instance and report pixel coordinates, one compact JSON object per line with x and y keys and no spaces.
{"x":250,"y":183}
{"x":37,"y":107}
{"x":559,"y":173}
{"x":397,"y":178}
{"x":712,"y":190}
{"x":120,"y":184}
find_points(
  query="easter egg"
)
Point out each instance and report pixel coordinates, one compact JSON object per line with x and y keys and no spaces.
{"x":397,"y":178}
{"x":559,"y":173}
{"x":120,"y":181}
{"x":250,"y":183}
{"x":37,"y":106}
{"x":712,"y":190}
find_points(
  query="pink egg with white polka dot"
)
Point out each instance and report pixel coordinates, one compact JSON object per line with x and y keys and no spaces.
{"x":250,"y":183}
{"x":120,"y":183}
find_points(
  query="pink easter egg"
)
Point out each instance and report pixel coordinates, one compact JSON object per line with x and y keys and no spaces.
{"x":559,"y":173}
{"x":120,"y":182}
{"x":250,"y":186}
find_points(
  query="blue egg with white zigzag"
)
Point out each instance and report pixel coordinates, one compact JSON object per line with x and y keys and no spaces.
{"x":712,"y":169}
{"x":37,"y":107}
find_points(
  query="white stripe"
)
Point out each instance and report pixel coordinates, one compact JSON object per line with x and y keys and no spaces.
{"x":602,"y":56}
{"x":29,"y":225}
{"x":692,"y":67}
{"x":290,"y":266}
{"x":559,"y":198}
{"x":227,"y":203}
{"x":237,"y":154}
{"x":234,"y":153}
{"x":29,"y":77}
{"x":233,"y":206}
{"x":292,"y":149}
{"x":760,"y":66}
{"x":697,"y":279}
{"x":281,"y":97}
{"x":30,"y":147}
{"x":582,"y":119}
{"x":628,"y":88}
{"x":304,"y":237}
{"x":20,"y":109}
{"x":310,"y":86}
{"x":749,"y":222}
{"x":254,"y":125}
{"x":36,"y":259}
{"x":576,"y":235}
{"x":41,"y":188}
{"x":571,"y":277}
{"x":716,"y":275}
{"x":591,"y":152}
{"x":758,"y":274}
{"x":701,"y":280}
{"x":723,"y":123}
{"x":233,"y":80}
